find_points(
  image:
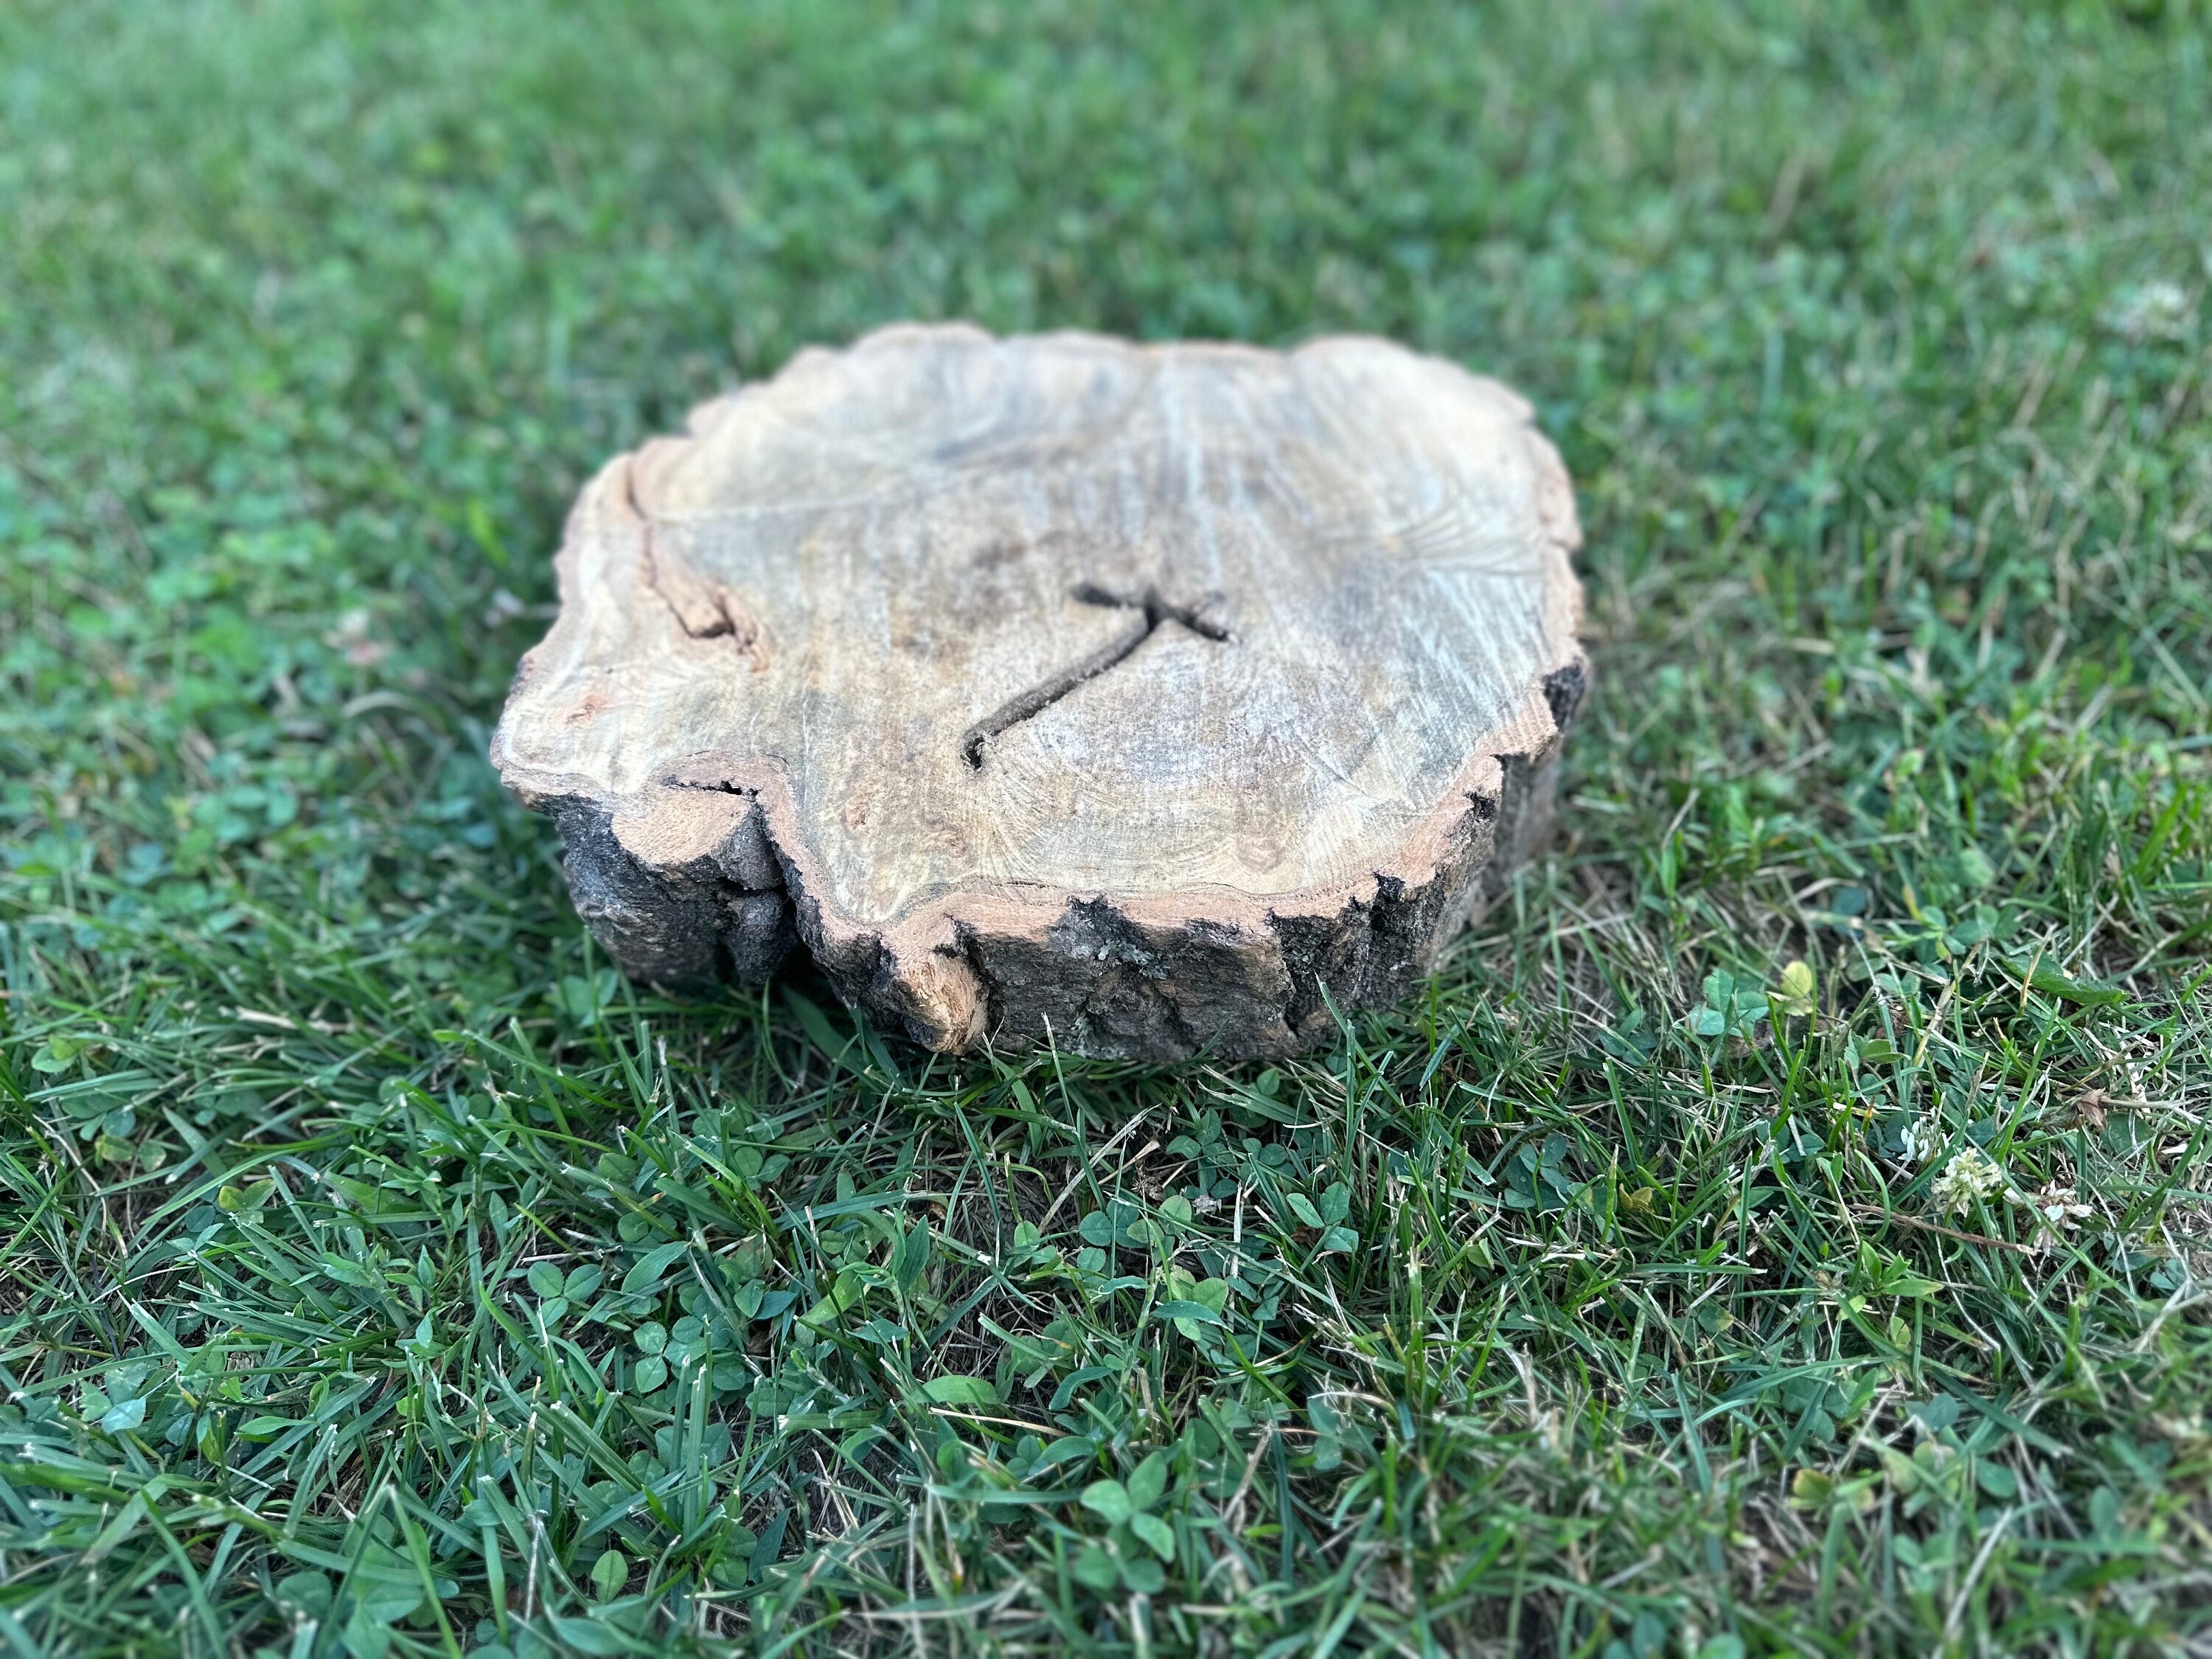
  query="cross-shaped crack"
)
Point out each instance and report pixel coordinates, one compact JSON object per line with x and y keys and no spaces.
{"x":1156,"y":610}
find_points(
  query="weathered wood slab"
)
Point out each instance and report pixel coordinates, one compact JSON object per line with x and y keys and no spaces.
{"x":1059,"y":688}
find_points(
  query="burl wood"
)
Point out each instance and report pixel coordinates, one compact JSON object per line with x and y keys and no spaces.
{"x":1059,"y":689}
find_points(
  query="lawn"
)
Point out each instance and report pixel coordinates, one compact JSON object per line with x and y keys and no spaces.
{"x":1783,"y":1224}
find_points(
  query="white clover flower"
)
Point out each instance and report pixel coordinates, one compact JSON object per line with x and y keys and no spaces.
{"x":2154,"y":310}
{"x":1922,"y":1141}
{"x":2054,"y":1206}
{"x":1971,"y":1174}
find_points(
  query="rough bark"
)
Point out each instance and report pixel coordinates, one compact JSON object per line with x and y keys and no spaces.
{"x":1142,"y":700}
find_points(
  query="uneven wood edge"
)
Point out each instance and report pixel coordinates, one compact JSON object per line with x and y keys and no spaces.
{"x":1117,"y":975}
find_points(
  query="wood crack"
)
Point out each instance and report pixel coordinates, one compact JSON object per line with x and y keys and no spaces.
{"x":1155,"y":611}
{"x":704,"y":607}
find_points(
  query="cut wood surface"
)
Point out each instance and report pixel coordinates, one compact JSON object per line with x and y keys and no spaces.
{"x":1145,"y":700}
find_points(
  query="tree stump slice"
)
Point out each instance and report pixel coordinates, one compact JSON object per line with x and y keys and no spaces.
{"x":1142,"y":700}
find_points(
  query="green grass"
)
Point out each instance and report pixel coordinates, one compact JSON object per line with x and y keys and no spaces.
{"x":380,"y":1275}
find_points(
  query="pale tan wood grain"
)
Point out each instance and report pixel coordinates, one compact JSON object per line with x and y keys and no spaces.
{"x":1061,"y":688}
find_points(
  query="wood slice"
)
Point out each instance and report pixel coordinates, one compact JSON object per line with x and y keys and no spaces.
{"x":1058,"y":689}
